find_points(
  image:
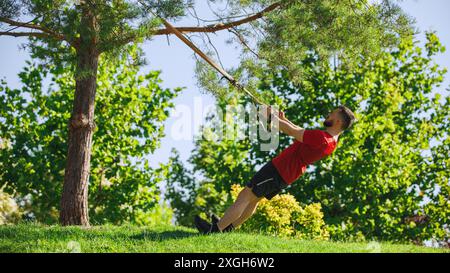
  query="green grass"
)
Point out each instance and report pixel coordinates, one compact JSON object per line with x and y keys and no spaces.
{"x":39,"y":238}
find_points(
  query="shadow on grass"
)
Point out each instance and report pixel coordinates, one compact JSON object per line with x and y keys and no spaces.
{"x":164,"y":235}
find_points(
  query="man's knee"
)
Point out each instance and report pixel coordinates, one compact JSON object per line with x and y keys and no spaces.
{"x":255,"y":203}
{"x":246,"y":196}
{"x":250,"y":195}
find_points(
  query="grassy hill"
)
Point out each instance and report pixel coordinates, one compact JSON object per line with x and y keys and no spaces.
{"x":38,"y":238}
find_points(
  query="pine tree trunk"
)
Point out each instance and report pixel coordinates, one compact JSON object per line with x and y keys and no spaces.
{"x":74,"y":201}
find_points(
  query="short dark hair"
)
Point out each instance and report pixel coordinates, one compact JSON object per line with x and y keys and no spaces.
{"x":347,"y":116}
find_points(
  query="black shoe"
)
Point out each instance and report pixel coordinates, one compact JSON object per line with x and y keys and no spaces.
{"x":229,"y":228}
{"x":202,"y":225}
{"x":214,"y":219}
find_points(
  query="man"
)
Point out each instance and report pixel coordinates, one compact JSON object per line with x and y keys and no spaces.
{"x":309,"y":146}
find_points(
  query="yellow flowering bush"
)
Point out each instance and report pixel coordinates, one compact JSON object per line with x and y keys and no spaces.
{"x":309,"y":223}
{"x":283,"y":215}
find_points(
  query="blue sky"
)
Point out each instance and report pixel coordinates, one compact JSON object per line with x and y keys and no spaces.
{"x":177,"y":64}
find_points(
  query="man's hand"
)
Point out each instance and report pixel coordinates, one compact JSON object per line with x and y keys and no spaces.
{"x":289,"y":128}
{"x":269,"y":112}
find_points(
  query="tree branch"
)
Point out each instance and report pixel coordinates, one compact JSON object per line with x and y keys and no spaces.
{"x":25,"y":34}
{"x":242,"y":40}
{"x":221,"y":26}
{"x":209,"y":28}
{"x":33,"y":26}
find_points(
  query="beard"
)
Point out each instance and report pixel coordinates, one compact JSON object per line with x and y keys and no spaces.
{"x":328,"y":123}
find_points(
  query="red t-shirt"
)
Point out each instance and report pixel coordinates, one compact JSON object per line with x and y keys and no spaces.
{"x":291,"y":163}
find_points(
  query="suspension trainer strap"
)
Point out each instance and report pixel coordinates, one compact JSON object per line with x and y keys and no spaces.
{"x":205,"y":57}
{"x":208,"y":60}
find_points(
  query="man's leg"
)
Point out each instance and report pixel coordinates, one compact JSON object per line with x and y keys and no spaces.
{"x":249,"y":210}
{"x":234,"y":212}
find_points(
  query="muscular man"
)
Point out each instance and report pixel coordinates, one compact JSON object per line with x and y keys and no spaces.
{"x":308,"y":147}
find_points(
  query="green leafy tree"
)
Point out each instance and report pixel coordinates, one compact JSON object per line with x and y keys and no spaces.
{"x":76,"y":33}
{"x":190,"y":195}
{"x":388,"y":178}
{"x":231,"y":151}
{"x":131,"y":109}
{"x":385,"y":179}
{"x":380,"y":176}
{"x":181,"y":189}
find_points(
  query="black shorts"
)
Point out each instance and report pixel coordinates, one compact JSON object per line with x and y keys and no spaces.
{"x":267,"y":182}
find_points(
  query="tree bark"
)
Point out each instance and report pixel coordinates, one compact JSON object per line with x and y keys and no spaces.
{"x":74,"y":200}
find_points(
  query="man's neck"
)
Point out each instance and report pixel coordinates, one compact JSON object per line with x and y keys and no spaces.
{"x":333,"y":132}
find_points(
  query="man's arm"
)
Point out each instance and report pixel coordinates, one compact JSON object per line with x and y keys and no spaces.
{"x":287,"y":127}
{"x":283,"y":117}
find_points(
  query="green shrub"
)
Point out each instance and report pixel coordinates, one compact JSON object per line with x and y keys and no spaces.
{"x":283,"y":215}
{"x":209,"y":200}
{"x":309,"y":223}
{"x":346,"y":232}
